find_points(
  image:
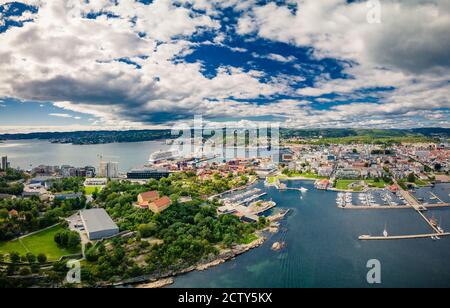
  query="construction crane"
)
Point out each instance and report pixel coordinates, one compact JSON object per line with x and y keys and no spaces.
{"x":101,"y":156}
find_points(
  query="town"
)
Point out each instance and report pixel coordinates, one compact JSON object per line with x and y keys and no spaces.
{"x":139,"y":222}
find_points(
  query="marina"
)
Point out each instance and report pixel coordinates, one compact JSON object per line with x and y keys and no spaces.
{"x":246,"y":205}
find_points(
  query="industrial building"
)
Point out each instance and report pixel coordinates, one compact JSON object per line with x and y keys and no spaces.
{"x":147,"y":173}
{"x":98,"y":224}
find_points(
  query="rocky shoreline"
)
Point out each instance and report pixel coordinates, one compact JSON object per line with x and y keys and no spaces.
{"x":160,"y":281}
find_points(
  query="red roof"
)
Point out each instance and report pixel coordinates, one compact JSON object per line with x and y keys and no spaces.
{"x":13,"y":213}
{"x":150,"y":196}
{"x":162,"y":202}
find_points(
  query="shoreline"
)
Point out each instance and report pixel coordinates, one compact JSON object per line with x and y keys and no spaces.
{"x":164,"y":280}
{"x":224,"y":256}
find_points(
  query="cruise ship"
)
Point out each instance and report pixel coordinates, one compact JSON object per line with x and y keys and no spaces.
{"x":161,"y":156}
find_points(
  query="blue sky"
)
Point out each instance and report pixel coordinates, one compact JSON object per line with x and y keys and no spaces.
{"x":304,"y":63}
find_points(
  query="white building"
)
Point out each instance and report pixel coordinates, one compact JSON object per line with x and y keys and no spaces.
{"x":109,"y":169}
{"x":98,"y":224}
{"x":96,"y":182}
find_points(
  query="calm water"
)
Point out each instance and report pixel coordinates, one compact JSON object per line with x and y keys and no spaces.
{"x":323,"y":249}
{"x":40,"y":152}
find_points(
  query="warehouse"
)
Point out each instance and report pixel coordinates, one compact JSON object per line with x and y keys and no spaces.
{"x":98,"y":224}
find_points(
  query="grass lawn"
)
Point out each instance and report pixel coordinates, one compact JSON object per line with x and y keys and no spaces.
{"x":344,"y":185}
{"x":271,"y":179}
{"x":89,"y":190}
{"x":422,"y":183}
{"x":311,"y":176}
{"x":41,"y":242}
{"x":380,"y":184}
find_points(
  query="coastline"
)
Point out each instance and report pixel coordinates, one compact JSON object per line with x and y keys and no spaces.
{"x":164,"y":280}
{"x":224,"y":256}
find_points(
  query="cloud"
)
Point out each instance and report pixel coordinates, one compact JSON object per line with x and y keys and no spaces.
{"x":60,"y":115}
{"x":124,"y":66}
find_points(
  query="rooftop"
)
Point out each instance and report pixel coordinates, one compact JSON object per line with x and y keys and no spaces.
{"x":97,"y":220}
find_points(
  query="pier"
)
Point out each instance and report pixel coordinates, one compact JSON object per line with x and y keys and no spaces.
{"x":437,"y":198}
{"x":402,"y":237}
{"x":250,"y":199}
{"x":397,"y":207}
{"x":419,"y":208}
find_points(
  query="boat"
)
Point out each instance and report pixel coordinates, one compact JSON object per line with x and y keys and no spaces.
{"x":434,"y":222}
{"x":385,"y":232}
{"x":161,"y":156}
{"x":303,"y":189}
{"x":440,"y":228}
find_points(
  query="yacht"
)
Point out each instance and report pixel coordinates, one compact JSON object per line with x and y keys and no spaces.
{"x":303,"y":189}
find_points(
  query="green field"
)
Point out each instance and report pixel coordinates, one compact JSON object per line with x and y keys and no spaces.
{"x":380,"y":184}
{"x":344,"y":185}
{"x":89,"y":190}
{"x":271,"y":179}
{"x":41,"y":242}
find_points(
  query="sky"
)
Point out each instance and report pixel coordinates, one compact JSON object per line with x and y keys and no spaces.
{"x":142,"y":64}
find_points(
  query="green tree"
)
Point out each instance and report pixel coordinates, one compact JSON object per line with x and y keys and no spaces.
{"x":412,"y":178}
{"x":14,"y":257}
{"x":42,"y":258}
{"x":31,"y":257}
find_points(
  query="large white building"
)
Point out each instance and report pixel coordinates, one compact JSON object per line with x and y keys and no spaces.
{"x":109,"y":169}
{"x":98,"y":224}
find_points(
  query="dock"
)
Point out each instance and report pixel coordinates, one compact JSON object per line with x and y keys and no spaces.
{"x":397,"y":207}
{"x":437,"y":198}
{"x":250,"y":199}
{"x":402,"y":237}
{"x":419,"y":208}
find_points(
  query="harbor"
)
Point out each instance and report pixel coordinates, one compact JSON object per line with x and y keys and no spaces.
{"x":247,"y":205}
{"x":419,"y":208}
{"x":409,"y":236}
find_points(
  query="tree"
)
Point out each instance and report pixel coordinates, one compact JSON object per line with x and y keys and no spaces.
{"x":14,"y":257}
{"x":67,"y":239}
{"x":412,"y":177}
{"x":35,"y":268}
{"x":3,"y":213}
{"x":31,"y":257}
{"x":42,"y":258}
{"x":25,"y":271}
{"x":147,"y":230}
{"x":91,"y":255}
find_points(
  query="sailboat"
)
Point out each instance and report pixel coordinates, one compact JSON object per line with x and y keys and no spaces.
{"x":385,"y":232}
{"x":439,"y":227}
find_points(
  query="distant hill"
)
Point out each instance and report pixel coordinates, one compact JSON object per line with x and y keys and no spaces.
{"x":93,"y":137}
{"x":374,"y":133}
{"x":100,"y":137}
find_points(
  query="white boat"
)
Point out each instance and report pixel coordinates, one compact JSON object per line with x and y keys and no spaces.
{"x":385,"y":232}
{"x":161,"y":156}
{"x":303,"y":189}
{"x":439,"y":227}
